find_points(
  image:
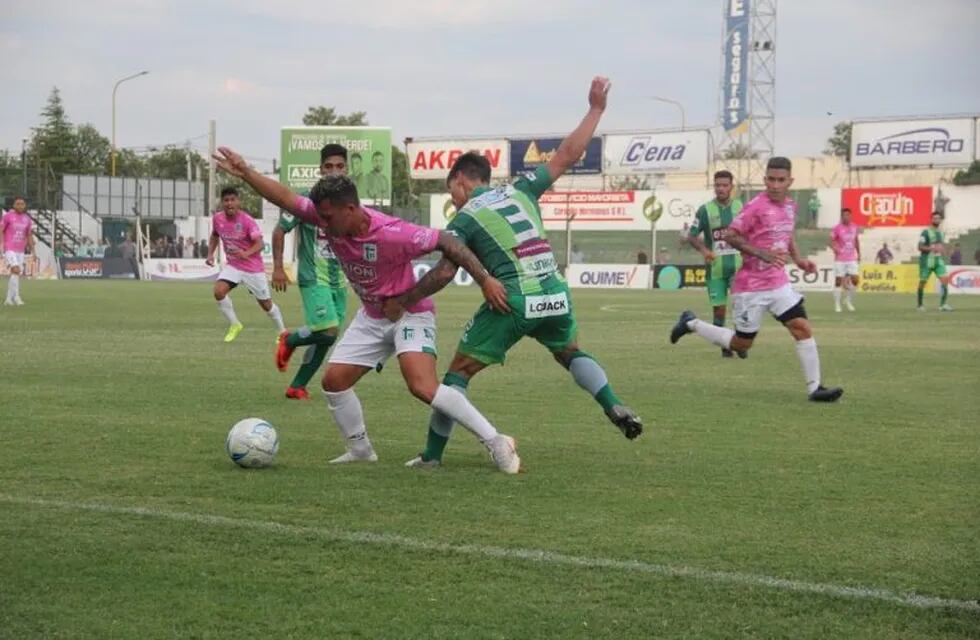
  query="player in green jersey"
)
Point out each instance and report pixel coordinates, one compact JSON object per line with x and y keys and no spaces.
{"x":932,"y":259}
{"x":711,"y":222}
{"x":503,"y":227}
{"x":322,"y":286}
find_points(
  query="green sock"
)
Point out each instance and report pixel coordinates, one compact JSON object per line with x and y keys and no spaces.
{"x":607,"y":398}
{"x":441,"y":425}
{"x":312,"y":360}
{"x":945,"y":293}
{"x":718,"y":322}
{"x":921,"y":290}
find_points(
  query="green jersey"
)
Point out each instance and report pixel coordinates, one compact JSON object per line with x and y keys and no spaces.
{"x":503,"y":228}
{"x":317,"y":262}
{"x":711,"y":221}
{"x":927,"y":259}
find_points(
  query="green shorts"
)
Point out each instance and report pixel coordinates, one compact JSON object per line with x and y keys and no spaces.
{"x":323,"y":307}
{"x":938,"y":267}
{"x":718,"y":291}
{"x":546,"y":317}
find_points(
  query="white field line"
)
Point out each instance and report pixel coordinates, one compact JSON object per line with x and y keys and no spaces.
{"x":504,"y":553}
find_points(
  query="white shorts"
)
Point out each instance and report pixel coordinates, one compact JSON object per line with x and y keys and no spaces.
{"x":750,"y":306}
{"x":369,"y":342}
{"x":256,"y":283}
{"x":842,"y":269}
{"x":13,"y":259}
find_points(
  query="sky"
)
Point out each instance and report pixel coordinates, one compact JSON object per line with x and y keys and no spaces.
{"x":431,"y":68}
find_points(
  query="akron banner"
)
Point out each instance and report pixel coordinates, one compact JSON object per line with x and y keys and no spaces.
{"x":432,"y":159}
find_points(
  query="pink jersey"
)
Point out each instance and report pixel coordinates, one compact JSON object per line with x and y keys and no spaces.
{"x":765,"y":225}
{"x":239,"y":232}
{"x":379,"y":263}
{"x":844,"y":240}
{"x":16,"y":230}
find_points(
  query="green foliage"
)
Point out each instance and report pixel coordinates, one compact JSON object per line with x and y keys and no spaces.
{"x":839,"y":144}
{"x":969,"y":176}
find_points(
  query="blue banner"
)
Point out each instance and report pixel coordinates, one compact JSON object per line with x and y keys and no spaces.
{"x":528,"y":154}
{"x":735,"y":98}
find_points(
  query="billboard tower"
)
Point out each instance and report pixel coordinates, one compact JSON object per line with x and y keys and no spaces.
{"x":748,"y":87}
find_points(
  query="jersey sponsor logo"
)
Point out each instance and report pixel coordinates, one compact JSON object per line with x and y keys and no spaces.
{"x":370,"y":252}
{"x":359,"y":272}
{"x":546,"y":306}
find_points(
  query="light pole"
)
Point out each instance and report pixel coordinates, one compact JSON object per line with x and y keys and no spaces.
{"x":114,"y":88}
{"x":23,"y":167}
{"x":676,"y":104}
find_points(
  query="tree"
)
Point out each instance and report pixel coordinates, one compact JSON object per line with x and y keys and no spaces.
{"x":839,"y":144}
{"x":54,"y":142}
{"x":400,"y":180}
{"x":969,"y":176}
{"x":321,"y":116}
{"x":170,"y":163}
{"x":91,"y":150}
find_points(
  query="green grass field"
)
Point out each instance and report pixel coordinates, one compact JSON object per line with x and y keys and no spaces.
{"x":743,"y":512}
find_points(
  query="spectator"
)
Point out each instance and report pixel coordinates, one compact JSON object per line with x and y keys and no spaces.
{"x":190,"y":248}
{"x":956,"y":257}
{"x":180,"y":246}
{"x":127,"y":250}
{"x":813,"y":206}
{"x":170,"y":249}
{"x":202,"y":249}
{"x":884,"y":255}
{"x":643,"y":258}
{"x":664,"y":256}
{"x":577,"y":256}
{"x":101,"y":250}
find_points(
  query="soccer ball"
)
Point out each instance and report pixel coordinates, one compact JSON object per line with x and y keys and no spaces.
{"x":252,"y":443}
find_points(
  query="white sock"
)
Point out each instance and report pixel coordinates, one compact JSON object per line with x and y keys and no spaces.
{"x":455,"y":405}
{"x":837,"y":296}
{"x":806,"y":351}
{"x":721,"y":336}
{"x":228,"y":309}
{"x":276,"y":316}
{"x":849,"y":292}
{"x":347,"y":413}
{"x":13,"y":287}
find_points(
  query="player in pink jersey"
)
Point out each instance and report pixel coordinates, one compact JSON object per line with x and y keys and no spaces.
{"x":763,"y":232}
{"x":846,"y":246}
{"x":241,"y":238}
{"x":15,"y":239}
{"x":376,"y":253}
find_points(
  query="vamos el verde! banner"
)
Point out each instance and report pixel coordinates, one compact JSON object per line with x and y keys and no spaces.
{"x":368,"y":159}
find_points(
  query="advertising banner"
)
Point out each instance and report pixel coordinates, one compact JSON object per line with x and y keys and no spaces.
{"x":735,"y":96}
{"x":608,"y":276}
{"x":666,"y":152}
{"x":913,"y":143}
{"x":432,"y":159}
{"x":822,"y":280}
{"x":679,"y":276}
{"x":185,"y":270}
{"x":528,"y":154}
{"x":889,"y":278}
{"x":889,"y":207}
{"x":98,"y":268}
{"x":601,"y":210}
{"x":368,"y":159}
{"x":964,"y":279}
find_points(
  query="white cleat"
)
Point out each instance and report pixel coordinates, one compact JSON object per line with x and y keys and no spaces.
{"x":8,"y":302}
{"x":837,"y":308}
{"x":920,"y":308}
{"x":418,"y":463}
{"x":850,"y":307}
{"x":503,"y":452}
{"x":945,"y":307}
{"x":356,"y":455}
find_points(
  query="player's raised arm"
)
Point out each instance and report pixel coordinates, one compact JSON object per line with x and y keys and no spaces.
{"x":272,"y":190}
{"x":575,"y":144}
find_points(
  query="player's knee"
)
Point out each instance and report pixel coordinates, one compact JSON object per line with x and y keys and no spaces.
{"x":266,"y":304}
{"x":219,"y":294}
{"x":333,"y":382}
{"x":800,"y":328}
{"x":741,"y":343}
{"x":424,"y":390}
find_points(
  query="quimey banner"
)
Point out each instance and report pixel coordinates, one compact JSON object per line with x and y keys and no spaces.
{"x":608,"y":276}
{"x":368,"y":159}
{"x":98,"y":268}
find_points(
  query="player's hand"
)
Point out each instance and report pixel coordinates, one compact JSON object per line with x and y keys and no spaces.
{"x":598,"y":91}
{"x":209,"y":261}
{"x":279,"y":279}
{"x":230,"y":162}
{"x":709,"y":257}
{"x":393,"y":309}
{"x":808,"y":266}
{"x":495,"y":294}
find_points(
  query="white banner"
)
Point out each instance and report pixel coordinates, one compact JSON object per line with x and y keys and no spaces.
{"x":663,"y":152}
{"x":963,"y":279}
{"x":186,"y":270}
{"x":608,"y":276}
{"x":822,"y":280}
{"x":601,"y":210}
{"x":432,"y":159}
{"x":913,"y":143}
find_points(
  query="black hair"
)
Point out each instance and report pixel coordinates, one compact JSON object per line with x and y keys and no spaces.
{"x":336,"y":190}
{"x":845,"y":210}
{"x":724,"y":173}
{"x":333,"y":149}
{"x":471,"y":165}
{"x":229,"y":191}
{"x":779,"y":162}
